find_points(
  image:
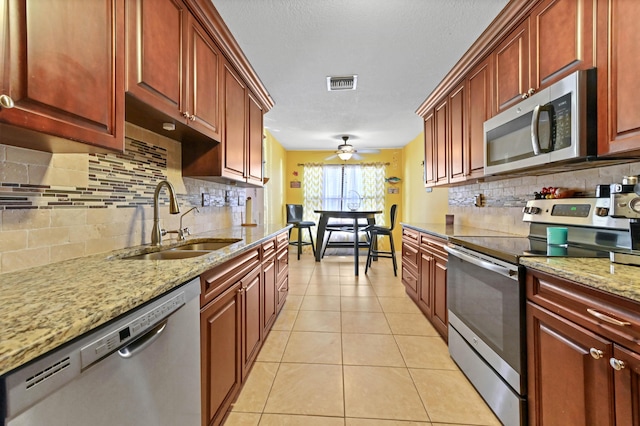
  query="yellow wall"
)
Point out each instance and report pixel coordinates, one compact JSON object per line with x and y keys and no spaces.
{"x":392,"y":156}
{"x":275,"y":158}
{"x":420,"y":206}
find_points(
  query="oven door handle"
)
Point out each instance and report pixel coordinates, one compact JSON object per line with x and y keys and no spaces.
{"x":507,"y":272}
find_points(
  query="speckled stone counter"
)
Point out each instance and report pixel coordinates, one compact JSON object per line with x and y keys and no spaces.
{"x":445,"y":231}
{"x":44,"y":307}
{"x":621,"y":280}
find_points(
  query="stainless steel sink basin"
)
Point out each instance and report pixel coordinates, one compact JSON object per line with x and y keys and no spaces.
{"x":186,"y":251}
{"x":207,"y":245}
{"x":167,"y":255}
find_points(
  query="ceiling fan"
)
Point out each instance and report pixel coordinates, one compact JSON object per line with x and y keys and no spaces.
{"x":346,"y":151}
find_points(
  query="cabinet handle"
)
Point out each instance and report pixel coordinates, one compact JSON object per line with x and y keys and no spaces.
{"x":607,"y":318}
{"x":616,"y":364}
{"x":6,"y":102}
{"x":596,"y":353}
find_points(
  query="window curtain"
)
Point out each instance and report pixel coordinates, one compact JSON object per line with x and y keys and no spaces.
{"x":341,"y":187}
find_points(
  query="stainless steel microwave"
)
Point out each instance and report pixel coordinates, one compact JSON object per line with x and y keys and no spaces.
{"x":554,"y":125}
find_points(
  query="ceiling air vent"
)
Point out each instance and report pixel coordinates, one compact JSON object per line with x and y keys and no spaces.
{"x":342,"y":83}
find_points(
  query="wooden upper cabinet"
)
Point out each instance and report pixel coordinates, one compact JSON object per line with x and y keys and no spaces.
{"x":618,"y":61}
{"x":429,"y":149}
{"x":561,"y":40}
{"x":441,"y":132}
{"x":457,"y":137}
{"x":64,"y":73}
{"x":479,"y":110}
{"x":173,"y":68}
{"x":155,"y":41}
{"x":202,"y":91}
{"x":511,"y":68}
{"x":254,"y":142}
{"x":235,"y":107}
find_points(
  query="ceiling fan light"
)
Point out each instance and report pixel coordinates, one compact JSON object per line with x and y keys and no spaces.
{"x":345,"y":155}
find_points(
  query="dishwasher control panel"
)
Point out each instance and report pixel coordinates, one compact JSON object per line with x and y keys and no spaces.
{"x":129,"y":332}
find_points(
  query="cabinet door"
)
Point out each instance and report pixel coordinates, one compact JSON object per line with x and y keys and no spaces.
{"x":479,"y":111}
{"x":155,"y":42}
{"x":567,"y":384}
{"x":270,"y":296}
{"x":251,"y":319}
{"x":440,"y":317}
{"x":425,"y":289}
{"x":457,"y":135}
{"x":254,"y":144}
{"x":627,"y":387}
{"x":511,"y":67}
{"x":201,"y":88}
{"x":618,"y":62}
{"x":221,"y":353}
{"x":235,"y":114}
{"x":64,"y":73}
{"x":441,"y":132}
{"x":561,"y":40}
{"x":429,"y":150}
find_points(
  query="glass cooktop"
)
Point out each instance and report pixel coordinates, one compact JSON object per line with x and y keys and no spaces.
{"x":510,"y":249}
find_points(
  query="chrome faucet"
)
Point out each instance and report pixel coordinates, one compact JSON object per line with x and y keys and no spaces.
{"x":174,"y":208}
{"x":182,"y":232}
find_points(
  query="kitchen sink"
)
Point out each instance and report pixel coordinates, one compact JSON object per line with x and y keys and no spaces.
{"x":167,"y":255}
{"x":186,"y":251}
{"x":207,"y":245}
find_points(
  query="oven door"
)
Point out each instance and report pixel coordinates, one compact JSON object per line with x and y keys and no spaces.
{"x":486,"y":305}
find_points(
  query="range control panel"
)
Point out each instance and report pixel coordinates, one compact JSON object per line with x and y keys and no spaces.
{"x":110,"y":342}
{"x":591,"y":212}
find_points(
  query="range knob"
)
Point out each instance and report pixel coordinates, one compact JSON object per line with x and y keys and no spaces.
{"x":602,"y":211}
{"x":531,"y":210}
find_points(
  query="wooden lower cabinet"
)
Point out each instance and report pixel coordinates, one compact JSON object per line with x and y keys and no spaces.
{"x":582,"y":370}
{"x":221,"y":342}
{"x":240,"y":301}
{"x":424,"y":275}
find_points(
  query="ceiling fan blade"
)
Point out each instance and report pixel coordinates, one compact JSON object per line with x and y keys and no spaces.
{"x":356,"y":156}
{"x":331,"y":157}
{"x":369,"y":151}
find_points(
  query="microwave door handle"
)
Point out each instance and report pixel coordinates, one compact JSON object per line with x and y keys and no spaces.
{"x":535,"y":122}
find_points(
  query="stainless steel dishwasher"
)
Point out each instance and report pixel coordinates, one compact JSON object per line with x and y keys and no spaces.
{"x":141,"y":369}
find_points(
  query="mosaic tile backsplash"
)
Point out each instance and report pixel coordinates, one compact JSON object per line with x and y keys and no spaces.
{"x":59,"y":206}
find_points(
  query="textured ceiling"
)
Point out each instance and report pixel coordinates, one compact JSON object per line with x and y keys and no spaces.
{"x":399,"y":49}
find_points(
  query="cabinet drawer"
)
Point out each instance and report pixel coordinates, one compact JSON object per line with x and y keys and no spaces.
{"x":433,"y":244}
{"x":282,"y":263}
{"x":283,"y":289}
{"x":268,"y":248}
{"x":605,"y":314}
{"x":410,"y":279}
{"x":282,"y":240}
{"x":216,"y":280}
{"x":411,"y":236}
{"x":410,"y":255}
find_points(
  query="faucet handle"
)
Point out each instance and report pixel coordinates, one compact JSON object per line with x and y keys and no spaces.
{"x":163,"y":232}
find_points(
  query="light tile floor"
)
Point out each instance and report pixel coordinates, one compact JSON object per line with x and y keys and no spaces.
{"x":354,"y":351}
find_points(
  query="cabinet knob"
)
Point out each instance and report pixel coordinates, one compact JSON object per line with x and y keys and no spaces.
{"x":531,"y":91}
{"x":6,"y":102}
{"x":616,"y":364}
{"x":596,"y":353}
{"x":186,"y":114}
{"x":525,"y":96}
{"x":192,"y":117}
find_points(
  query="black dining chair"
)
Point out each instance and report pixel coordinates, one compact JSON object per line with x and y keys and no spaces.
{"x":348,"y":228}
{"x":374,"y":253}
{"x":294,"y":217}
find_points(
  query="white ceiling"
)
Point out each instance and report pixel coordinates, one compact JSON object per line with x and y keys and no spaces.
{"x":399,"y":49}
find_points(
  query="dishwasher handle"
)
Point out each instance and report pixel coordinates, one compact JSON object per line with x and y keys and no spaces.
{"x":507,"y":272}
{"x":145,"y":340}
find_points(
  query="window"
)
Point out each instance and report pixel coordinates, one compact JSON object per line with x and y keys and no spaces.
{"x":336,"y":187}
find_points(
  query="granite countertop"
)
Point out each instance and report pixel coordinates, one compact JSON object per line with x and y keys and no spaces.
{"x":601,"y":274}
{"x":445,"y":231}
{"x":44,"y":307}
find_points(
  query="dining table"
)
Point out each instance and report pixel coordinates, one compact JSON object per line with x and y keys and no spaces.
{"x":354,"y":215}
